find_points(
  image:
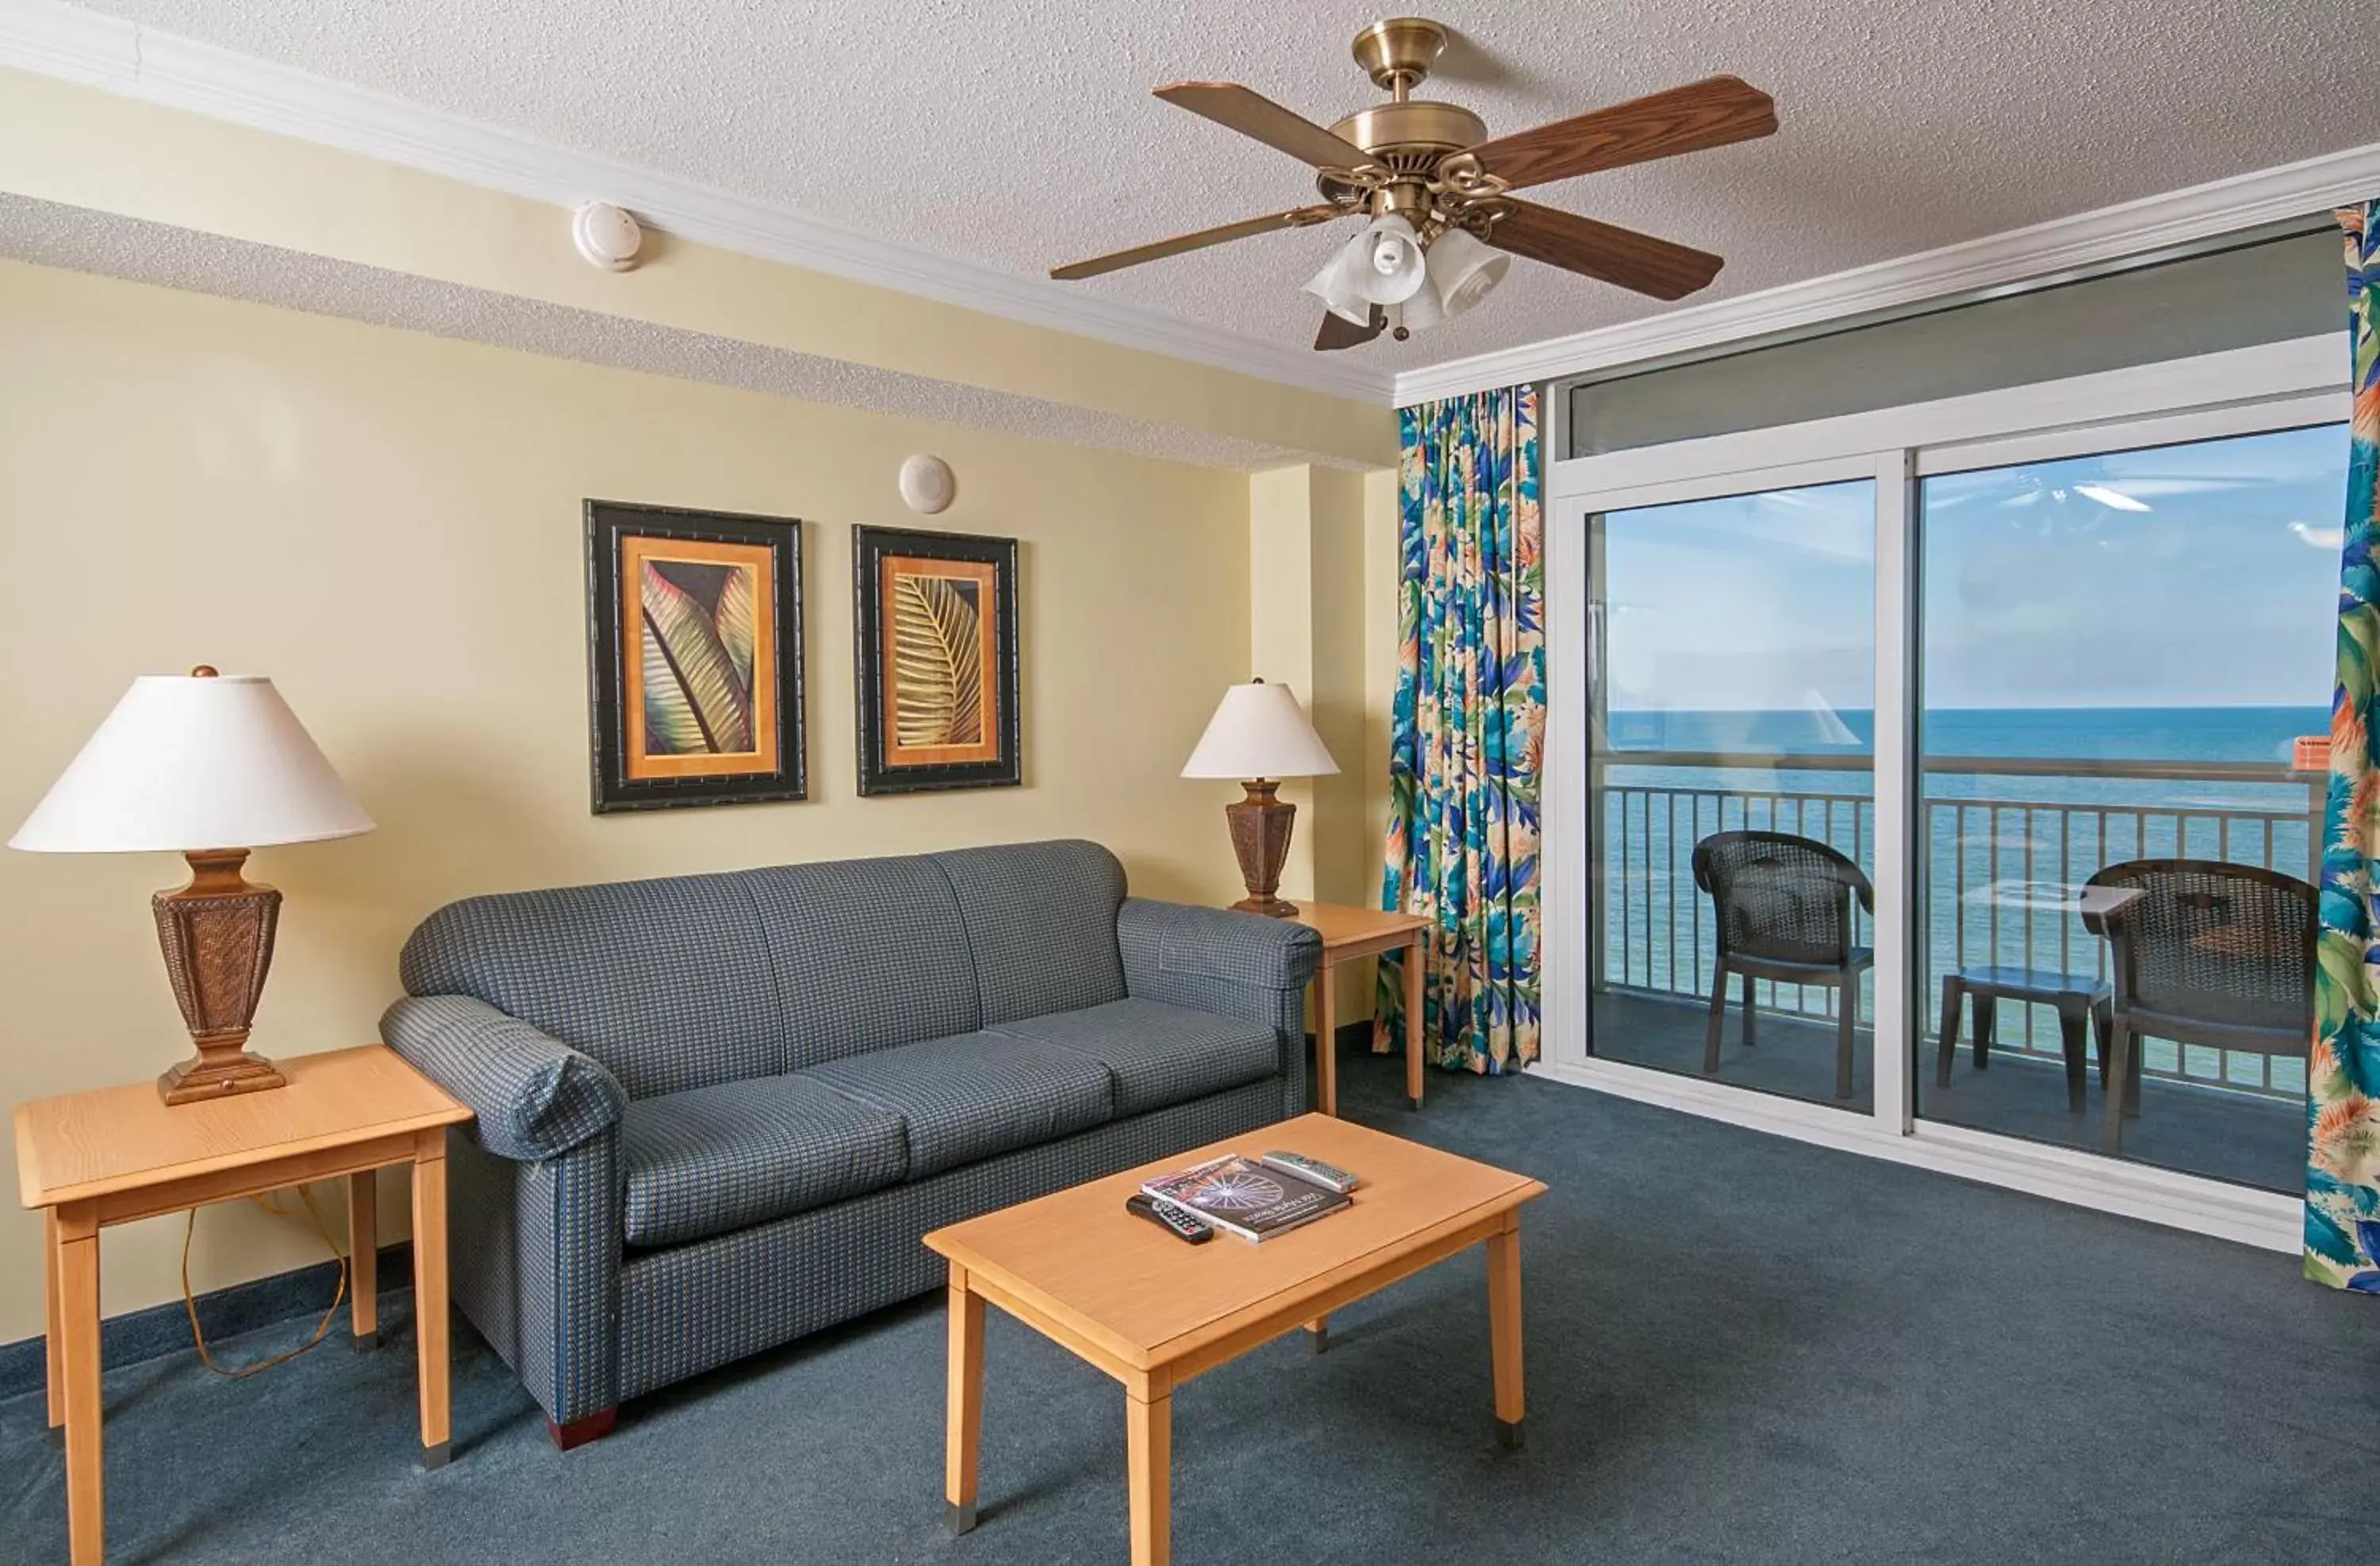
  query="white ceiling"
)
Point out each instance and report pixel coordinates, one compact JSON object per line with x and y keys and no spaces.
{"x":1021,"y":136}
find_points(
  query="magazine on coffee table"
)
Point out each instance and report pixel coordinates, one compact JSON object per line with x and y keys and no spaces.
{"x":1240,"y":1196}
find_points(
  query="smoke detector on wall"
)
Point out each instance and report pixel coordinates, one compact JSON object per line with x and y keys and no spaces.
{"x":928,"y":485}
{"x":607,"y":236}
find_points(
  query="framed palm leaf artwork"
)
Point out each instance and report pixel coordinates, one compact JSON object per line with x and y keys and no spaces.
{"x":695,"y":657}
{"x":937,"y":659}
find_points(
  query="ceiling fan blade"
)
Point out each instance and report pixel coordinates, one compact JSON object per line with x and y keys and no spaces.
{"x":1337,"y":331}
{"x":1296,"y":217}
{"x":1599,"y":250}
{"x":1710,"y":113}
{"x":1251,"y":113}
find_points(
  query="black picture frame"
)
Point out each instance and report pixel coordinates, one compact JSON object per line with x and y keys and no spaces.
{"x":774,"y":763}
{"x":882,"y":769}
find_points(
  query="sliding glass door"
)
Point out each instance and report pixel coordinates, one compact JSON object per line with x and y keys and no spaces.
{"x":2126,"y":667}
{"x":1731,"y":788}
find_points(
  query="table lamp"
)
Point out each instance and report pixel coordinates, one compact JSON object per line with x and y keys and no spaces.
{"x":1259,"y":736}
{"x":197,"y":764}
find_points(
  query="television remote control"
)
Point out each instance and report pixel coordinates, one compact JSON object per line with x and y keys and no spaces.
{"x":1169,"y":1217}
{"x":1323,"y":1174}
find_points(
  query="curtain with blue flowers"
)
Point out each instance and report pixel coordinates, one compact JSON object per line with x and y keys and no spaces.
{"x":1466,"y":736}
{"x":2342,"y":1223}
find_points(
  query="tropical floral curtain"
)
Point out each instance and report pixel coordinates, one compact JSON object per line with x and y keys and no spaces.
{"x":1467,"y":734}
{"x":2342,"y":1224}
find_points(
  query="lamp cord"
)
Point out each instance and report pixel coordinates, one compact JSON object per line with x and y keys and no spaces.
{"x":322,"y":1328}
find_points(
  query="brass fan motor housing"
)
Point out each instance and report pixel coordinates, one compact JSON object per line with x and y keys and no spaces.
{"x":1406,"y":138}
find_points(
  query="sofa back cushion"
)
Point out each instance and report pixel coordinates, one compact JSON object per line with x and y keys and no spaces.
{"x":667,"y":983}
{"x":1040,"y":921}
{"x":867,"y":953}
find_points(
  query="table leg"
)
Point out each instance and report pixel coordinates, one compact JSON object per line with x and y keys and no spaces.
{"x":1326,"y":1042}
{"x":1148,"y":1446}
{"x":1504,"y":1329}
{"x":1415,"y":968}
{"x":53,"y":1318}
{"x":76,"y":1260}
{"x":962,"y":1440}
{"x":363,"y":1257}
{"x":430,"y":1291}
{"x":1317,"y":1334}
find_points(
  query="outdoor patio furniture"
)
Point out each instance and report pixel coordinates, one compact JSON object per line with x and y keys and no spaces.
{"x":2210,"y":952}
{"x":1784,"y":907}
{"x":2081,"y":1000}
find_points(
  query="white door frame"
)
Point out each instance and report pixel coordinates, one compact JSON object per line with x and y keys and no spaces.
{"x":2244,"y":390}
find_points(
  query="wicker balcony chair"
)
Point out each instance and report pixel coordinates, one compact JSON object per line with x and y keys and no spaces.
{"x":2208,"y":952}
{"x":1784,"y":913}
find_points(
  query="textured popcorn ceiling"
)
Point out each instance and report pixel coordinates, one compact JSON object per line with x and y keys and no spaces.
{"x":1022,"y":135}
{"x":48,"y":234}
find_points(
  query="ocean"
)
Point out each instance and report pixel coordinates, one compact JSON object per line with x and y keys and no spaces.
{"x":2012,"y":797}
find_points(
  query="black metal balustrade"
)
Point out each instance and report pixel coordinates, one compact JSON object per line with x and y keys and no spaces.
{"x":1983,"y":849}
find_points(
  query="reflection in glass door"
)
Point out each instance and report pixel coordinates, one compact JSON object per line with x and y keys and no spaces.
{"x":2117,"y":824}
{"x":1731,"y":789}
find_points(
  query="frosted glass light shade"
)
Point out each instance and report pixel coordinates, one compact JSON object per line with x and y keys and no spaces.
{"x":194,"y":762}
{"x":1463,"y":271}
{"x":1259,"y":731}
{"x":1334,"y":286}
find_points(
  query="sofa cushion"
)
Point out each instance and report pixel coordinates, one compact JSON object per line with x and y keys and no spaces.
{"x":867,"y":953}
{"x":976,"y":1095}
{"x":1041,"y":924}
{"x":1158,"y":1054}
{"x":666,"y":983}
{"x":718,"y":1158}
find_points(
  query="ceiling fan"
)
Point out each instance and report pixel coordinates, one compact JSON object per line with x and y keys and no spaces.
{"x":1435,"y":189}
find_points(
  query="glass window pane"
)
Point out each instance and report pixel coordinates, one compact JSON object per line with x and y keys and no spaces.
{"x":2120,"y":654}
{"x":2266,"y":293}
{"x":1732,"y":674}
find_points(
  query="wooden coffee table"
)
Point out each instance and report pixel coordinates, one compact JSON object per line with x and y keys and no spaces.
{"x":1153,"y":1312}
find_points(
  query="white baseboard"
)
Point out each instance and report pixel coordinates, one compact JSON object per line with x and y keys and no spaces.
{"x":2263,"y":1218}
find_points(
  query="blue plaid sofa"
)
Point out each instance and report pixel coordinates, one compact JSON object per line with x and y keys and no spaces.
{"x":716,"y":1112}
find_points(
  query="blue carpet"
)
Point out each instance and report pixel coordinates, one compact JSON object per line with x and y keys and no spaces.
{"x":1739,"y":1349}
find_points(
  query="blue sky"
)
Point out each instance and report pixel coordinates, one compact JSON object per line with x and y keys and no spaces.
{"x":2191,"y":576}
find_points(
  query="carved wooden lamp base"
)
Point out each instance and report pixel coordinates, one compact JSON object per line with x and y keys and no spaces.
{"x":1260,"y":828}
{"x":217,"y":936}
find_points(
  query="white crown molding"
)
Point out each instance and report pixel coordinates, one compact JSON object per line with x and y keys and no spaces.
{"x":59,"y":41}
{"x":2086,"y":239}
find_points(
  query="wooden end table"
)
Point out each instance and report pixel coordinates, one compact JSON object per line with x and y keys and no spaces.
{"x":1129,"y":1298}
{"x":1349,"y":934}
{"x":117,"y":1154}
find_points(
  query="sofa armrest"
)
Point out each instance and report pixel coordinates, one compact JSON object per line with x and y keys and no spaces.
{"x":535,"y":1096}
{"x":1165,"y":942}
{"x":1228,"y":962}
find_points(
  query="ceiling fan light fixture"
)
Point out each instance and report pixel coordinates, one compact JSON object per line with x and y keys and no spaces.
{"x":1463,"y":271}
{"x":1335,"y":286}
{"x":1421,"y":313}
{"x":1385,"y":262}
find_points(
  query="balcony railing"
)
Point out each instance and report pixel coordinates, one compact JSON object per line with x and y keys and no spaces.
{"x":1987,"y":829}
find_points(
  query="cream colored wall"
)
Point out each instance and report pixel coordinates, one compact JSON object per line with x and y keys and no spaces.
{"x":64,"y":142}
{"x":1322,"y":620}
{"x":389,"y":525}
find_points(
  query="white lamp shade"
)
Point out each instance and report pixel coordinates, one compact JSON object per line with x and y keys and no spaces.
{"x":188,"y":762}
{"x":1463,"y":271}
{"x":1384,"y":262}
{"x":1259,"y":731}
{"x":1335,"y":287}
